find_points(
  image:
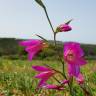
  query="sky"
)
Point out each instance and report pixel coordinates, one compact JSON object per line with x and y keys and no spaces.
{"x":25,"y":18}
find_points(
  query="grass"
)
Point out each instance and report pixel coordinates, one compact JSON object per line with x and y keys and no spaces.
{"x":17,"y":78}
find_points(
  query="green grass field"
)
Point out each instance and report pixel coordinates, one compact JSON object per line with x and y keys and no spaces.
{"x":17,"y":78}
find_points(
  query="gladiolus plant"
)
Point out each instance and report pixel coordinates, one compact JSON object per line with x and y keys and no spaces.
{"x":73,"y":57}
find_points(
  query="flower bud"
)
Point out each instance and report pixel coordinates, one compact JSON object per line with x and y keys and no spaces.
{"x":63,"y":28}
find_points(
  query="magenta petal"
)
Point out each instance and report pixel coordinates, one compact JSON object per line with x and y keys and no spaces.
{"x":81,"y":61}
{"x":80,"y":79}
{"x":44,"y":75}
{"x":51,"y":86}
{"x":40,"y":68}
{"x":42,"y":82}
{"x":56,"y":87}
{"x":31,"y":55}
{"x":65,"y":27}
{"x":33,"y":48}
{"x":29,"y":42}
{"x":80,"y":51}
{"x":65,"y":82}
{"x":73,"y":69}
{"x":73,"y":46}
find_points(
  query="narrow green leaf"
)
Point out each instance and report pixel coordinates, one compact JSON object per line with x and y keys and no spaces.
{"x":68,"y":21}
{"x":41,"y":37}
{"x":40,"y":3}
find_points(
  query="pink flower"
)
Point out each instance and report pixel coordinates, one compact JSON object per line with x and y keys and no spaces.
{"x":63,"y":28}
{"x":65,"y":82}
{"x":44,"y":74}
{"x":57,"y":87}
{"x":73,"y":55}
{"x":32,"y":47}
{"x":80,"y":79}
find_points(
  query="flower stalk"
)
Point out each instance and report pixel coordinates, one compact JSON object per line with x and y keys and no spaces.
{"x":72,"y":54}
{"x":54,"y":33}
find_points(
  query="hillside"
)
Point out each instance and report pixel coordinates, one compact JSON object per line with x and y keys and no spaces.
{"x":9,"y":46}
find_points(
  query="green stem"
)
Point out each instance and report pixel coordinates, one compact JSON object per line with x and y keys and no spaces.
{"x":55,"y":40}
{"x":50,"y":25}
{"x":56,"y":47}
{"x":56,"y":79}
{"x":63,"y":68}
{"x":71,"y":86}
{"x":48,"y":19}
{"x":54,"y":69}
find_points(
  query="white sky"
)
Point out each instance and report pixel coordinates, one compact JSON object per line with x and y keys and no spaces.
{"x":24,"y":18}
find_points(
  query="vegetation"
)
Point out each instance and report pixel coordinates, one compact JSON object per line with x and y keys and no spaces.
{"x":16,"y":78}
{"x":9,"y":47}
